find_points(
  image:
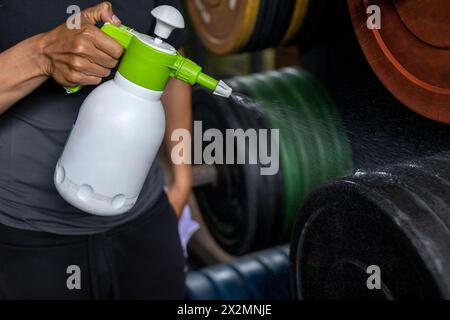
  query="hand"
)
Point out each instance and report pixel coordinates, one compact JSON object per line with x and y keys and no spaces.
{"x":82,"y":56}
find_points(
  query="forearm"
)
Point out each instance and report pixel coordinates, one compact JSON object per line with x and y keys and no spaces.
{"x":177,"y":105}
{"x":21,"y":71}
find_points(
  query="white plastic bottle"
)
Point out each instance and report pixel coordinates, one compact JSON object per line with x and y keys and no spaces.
{"x":112,"y":146}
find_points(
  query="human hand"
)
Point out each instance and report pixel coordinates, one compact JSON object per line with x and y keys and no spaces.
{"x":82,"y":56}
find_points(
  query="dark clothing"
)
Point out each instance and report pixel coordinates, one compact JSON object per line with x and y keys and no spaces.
{"x":33,"y":132}
{"x":141,"y":259}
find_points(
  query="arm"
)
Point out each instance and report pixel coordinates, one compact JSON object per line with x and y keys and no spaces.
{"x":22,"y":71}
{"x":80,"y":56}
{"x":177,"y":105}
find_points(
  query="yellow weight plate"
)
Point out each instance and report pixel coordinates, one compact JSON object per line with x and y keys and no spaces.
{"x":301,"y":6}
{"x":224,"y":26}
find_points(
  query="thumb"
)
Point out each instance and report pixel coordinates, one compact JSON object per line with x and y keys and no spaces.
{"x":102,"y":12}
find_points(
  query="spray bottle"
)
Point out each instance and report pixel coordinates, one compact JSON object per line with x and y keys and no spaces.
{"x":121,"y":124}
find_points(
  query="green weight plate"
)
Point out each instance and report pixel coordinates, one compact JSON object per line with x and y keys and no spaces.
{"x":302,"y":129}
{"x":302,"y":109}
{"x":320,"y":125}
{"x":326,"y":133}
{"x":341,"y":161}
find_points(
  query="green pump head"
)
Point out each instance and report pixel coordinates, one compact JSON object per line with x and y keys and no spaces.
{"x":150,"y":62}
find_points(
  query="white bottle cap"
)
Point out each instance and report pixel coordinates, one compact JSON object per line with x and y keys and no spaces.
{"x":168,"y":18}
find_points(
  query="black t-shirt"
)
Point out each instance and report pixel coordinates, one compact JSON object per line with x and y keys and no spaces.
{"x":33,"y":132}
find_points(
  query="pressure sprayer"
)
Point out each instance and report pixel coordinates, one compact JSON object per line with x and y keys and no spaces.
{"x":121,"y":124}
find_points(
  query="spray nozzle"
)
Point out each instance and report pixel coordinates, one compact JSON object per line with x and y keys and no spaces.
{"x":223,"y":90}
{"x":188,"y":71}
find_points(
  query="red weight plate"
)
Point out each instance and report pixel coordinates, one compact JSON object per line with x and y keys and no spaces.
{"x":410,"y":53}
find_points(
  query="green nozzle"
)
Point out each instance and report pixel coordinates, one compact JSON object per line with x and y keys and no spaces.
{"x":189,"y":72}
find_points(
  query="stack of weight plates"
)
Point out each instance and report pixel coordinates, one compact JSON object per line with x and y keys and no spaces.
{"x":245,"y":210}
{"x":379,"y":234}
{"x":261,"y":276}
{"x":246,"y":25}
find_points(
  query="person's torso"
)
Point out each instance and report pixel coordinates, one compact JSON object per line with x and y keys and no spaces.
{"x":33,"y":132}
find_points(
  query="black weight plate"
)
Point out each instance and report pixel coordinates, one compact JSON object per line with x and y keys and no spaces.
{"x":254,"y":39}
{"x":269,"y":203}
{"x":291,"y":167}
{"x":263,"y":26}
{"x":268,"y":26}
{"x":227,"y":205}
{"x":304,"y":34}
{"x":281,"y":22}
{"x":265,"y":209}
{"x":430,"y":189}
{"x":262,"y":205}
{"x":273,"y":185}
{"x":370,"y":219}
{"x":438,"y":165}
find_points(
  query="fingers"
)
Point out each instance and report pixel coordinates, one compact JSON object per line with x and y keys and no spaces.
{"x":106,"y":44}
{"x":70,"y":78}
{"x":102,"y":59}
{"x":102,"y":12}
{"x":82,"y":65}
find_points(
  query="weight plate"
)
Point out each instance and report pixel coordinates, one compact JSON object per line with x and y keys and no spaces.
{"x":291,"y":166}
{"x":228,"y":206}
{"x":410,"y":53}
{"x":229,"y":285}
{"x":323,"y":128}
{"x":281,"y":22}
{"x":276,"y":261}
{"x":303,"y":147}
{"x":260,"y":276}
{"x":268,"y":200}
{"x":267,"y":11}
{"x":264,"y":201}
{"x":269,"y":186}
{"x":331,"y":126}
{"x":301,"y":105}
{"x":199,"y":287}
{"x":298,"y":16}
{"x":224,"y":26}
{"x":257,"y":278}
{"x":390,"y":218}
